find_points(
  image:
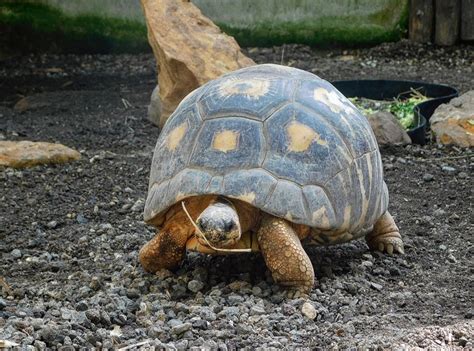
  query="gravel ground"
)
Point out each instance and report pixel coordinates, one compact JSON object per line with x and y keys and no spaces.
{"x":70,"y":234}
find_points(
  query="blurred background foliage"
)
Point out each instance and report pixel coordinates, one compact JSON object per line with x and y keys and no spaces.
{"x":105,"y":26}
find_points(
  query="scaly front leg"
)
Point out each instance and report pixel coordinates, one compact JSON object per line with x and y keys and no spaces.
{"x":284,"y":255}
{"x":168,"y":247}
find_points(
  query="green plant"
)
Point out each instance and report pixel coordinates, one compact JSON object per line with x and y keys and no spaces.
{"x":401,"y":108}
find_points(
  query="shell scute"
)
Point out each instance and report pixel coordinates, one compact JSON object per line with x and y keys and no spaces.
{"x":174,"y":143}
{"x":303,"y":147}
{"x":252,"y":97}
{"x":229,"y":143}
{"x":252,"y":186}
{"x":340,"y":113}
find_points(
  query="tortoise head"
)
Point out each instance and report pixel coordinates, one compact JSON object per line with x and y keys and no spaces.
{"x":219,"y":223}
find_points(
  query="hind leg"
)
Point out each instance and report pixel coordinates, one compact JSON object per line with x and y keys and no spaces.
{"x":385,"y":236}
{"x":284,"y":255}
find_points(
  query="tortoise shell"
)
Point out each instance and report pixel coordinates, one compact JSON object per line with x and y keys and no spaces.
{"x":278,"y":138}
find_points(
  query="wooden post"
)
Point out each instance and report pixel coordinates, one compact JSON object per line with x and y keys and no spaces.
{"x":467,"y":20}
{"x":447,"y":16}
{"x":420,"y":26}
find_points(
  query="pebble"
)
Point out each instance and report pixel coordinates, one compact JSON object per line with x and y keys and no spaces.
{"x":93,"y":316}
{"x":16,"y":253}
{"x":376,"y":286}
{"x":52,"y":224}
{"x":452,"y":259}
{"x":463,"y":175}
{"x":309,"y":311}
{"x":367,"y":264}
{"x":448,"y":169}
{"x":181,"y":328}
{"x":3,"y":304}
{"x":39,"y":345}
{"x":229,"y":312}
{"x":207,"y":314}
{"x":138,"y":206}
{"x":235,"y":299}
{"x":428,"y":177}
{"x":81,"y":219}
{"x":256,"y":310}
{"x":195,"y":285}
{"x":394,"y":271}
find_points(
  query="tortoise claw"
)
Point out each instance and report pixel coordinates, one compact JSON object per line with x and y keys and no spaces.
{"x":385,"y":236}
{"x":388,"y":244}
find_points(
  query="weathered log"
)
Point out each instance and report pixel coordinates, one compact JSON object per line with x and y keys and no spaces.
{"x":467,"y":20}
{"x":447,"y":19}
{"x":420,"y":27}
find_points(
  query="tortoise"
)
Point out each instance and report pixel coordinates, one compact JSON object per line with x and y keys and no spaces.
{"x":266,"y":158}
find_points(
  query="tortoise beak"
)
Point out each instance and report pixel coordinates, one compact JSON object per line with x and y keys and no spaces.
{"x":220,"y":224}
{"x":219,"y":232}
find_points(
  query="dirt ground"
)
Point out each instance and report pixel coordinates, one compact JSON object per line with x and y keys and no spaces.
{"x":70,"y":234}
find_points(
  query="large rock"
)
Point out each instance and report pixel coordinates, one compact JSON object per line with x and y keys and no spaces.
{"x":453,"y":123}
{"x":22,"y":154}
{"x":190,"y":50}
{"x":387,"y":129}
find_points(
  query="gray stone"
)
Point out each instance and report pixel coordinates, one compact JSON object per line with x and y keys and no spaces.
{"x":182,"y":344}
{"x":82,"y":306}
{"x":309,"y":311}
{"x":181,"y":328}
{"x":81,"y":219}
{"x":50,"y":333}
{"x":138,"y":206}
{"x":235,"y":299}
{"x":52,"y":224}
{"x":174,"y":322}
{"x":427,"y":177}
{"x":387,"y":129}
{"x":66,"y":314}
{"x":40,"y":345}
{"x":376,"y":286}
{"x":93,"y":315}
{"x":195,"y":285}
{"x":448,"y":169}
{"x":207,"y":314}
{"x":257,"y":310}
{"x":230,"y":311}
{"x":16,"y":253}
{"x":469,"y":313}
{"x":367,"y":264}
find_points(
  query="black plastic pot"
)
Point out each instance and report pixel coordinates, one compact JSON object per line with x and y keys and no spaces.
{"x":389,"y":89}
